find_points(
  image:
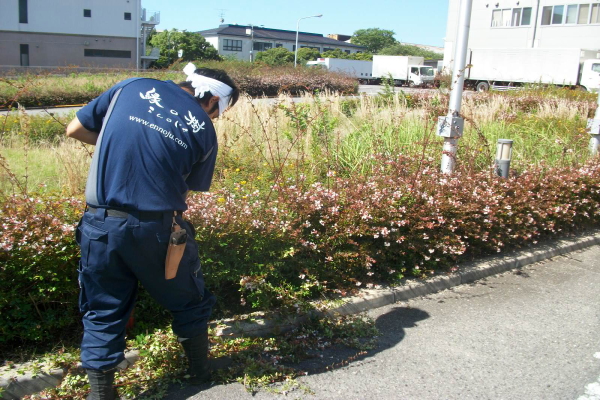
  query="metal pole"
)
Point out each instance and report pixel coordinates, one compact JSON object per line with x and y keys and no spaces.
{"x":594,"y":128}
{"x":138,"y":26}
{"x":451,"y":126}
{"x":537,"y":13}
{"x":296,"y":47}
{"x":251,"y":43}
{"x":297,"y":30}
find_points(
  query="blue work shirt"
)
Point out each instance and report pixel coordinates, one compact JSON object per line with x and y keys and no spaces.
{"x":155,"y":143}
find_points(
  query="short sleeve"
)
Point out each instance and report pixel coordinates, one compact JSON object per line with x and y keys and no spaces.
{"x":92,"y":115}
{"x":200,"y":178}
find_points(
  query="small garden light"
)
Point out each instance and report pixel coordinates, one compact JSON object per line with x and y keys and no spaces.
{"x":593,"y":126}
{"x":503,"y":157}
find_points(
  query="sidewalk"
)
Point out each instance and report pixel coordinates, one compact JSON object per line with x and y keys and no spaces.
{"x":21,"y":385}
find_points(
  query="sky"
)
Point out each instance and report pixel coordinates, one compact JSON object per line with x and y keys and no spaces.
{"x":413,"y":21}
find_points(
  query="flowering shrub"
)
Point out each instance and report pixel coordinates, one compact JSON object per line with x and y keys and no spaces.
{"x":363,"y":231}
{"x":38,"y":267}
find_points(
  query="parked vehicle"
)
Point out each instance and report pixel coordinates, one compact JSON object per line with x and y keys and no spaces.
{"x":362,"y":70}
{"x":405,"y":70}
{"x":502,"y":69}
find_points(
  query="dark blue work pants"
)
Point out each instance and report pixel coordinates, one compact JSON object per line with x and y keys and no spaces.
{"x":118,"y":252}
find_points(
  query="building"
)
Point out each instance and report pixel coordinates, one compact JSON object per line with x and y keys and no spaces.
{"x":244,"y":41}
{"x":518,"y":24}
{"x":343,"y":38}
{"x":90,"y":33}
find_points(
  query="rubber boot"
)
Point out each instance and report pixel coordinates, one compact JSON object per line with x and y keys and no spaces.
{"x":196,"y":350}
{"x":101,"y":383}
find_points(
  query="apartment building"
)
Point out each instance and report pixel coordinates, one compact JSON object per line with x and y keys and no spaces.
{"x":89,"y":33}
{"x":244,"y":41}
{"x":517,"y":24}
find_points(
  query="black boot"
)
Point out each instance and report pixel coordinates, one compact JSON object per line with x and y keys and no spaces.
{"x":196,"y":350}
{"x":101,"y":383}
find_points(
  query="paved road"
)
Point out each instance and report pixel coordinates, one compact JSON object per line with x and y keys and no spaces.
{"x":529,"y":334}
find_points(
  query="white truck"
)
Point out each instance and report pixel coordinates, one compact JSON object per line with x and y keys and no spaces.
{"x":503,"y":69}
{"x":405,"y":70}
{"x":362,"y":70}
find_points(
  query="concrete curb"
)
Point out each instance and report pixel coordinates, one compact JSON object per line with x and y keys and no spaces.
{"x":259,"y":324}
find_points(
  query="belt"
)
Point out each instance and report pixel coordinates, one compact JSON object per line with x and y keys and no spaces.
{"x":141,"y":215}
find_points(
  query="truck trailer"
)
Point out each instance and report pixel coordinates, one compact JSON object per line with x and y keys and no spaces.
{"x":503,"y":69}
{"x":362,"y":70}
{"x":404,"y":70}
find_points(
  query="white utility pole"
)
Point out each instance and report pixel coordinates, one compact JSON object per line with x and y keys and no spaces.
{"x":451,"y":126}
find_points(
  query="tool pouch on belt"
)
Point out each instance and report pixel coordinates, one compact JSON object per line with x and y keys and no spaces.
{"x":175,"y":250}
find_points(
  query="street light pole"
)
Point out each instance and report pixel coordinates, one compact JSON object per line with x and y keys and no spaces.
{"x":251,"y":42}
{"x":297,"y":30}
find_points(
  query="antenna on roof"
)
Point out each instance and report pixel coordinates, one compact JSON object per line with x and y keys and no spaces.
{"x":222,"y":14}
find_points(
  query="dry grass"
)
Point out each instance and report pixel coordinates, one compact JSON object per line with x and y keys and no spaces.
{"x":276,"y":131}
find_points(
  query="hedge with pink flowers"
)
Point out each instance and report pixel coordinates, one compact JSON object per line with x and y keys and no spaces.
{"x":264,"y":249}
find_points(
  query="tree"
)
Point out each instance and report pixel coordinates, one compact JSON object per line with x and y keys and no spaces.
{"x":399,"y":49}
{"x":276,"y":56}
{"x":335,"y":53}
{"x":307,"y":54}
{"x":374,"y":39}
{"x":193,"y":45}
{"x":361,"y":56}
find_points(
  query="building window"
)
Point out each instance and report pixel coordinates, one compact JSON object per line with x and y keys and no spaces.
{"x":557,"y":15}
{"x":526,"y":17}
{"x":23,"y":11}
{"x":25,"y":55}
{"x":571,"y":14}
{"x":347,"y":51}
{"x":87,"y":13}
{"x":511,"y":17}
{"x":546,"y":15}
{"x":107,"y":53}
{"x":262,"y":46}
{"x":584,"y":12}
{"x":232,"y":45}
{"x":127,"y":16}
{"x":595,"y":17}
{"x":278,"y":45}
{"x":327,"y":49}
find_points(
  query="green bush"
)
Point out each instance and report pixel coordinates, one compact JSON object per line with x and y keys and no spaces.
{"x":276,"y":56}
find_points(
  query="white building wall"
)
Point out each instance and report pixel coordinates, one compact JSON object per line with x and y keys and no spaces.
{"x":66,"y":17}
{"x":483,"y":35}
{"x":219,"y":43}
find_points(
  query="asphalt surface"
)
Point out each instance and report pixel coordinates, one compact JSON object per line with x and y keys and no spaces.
{"x":532,"y":333}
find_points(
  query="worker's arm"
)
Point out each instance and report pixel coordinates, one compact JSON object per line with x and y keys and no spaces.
{"x":77,"y":131}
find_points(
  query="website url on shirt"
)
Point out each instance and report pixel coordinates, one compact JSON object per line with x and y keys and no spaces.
{"x":157,"y":128}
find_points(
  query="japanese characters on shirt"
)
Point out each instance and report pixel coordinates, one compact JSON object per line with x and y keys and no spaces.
{"x":153,"y":97}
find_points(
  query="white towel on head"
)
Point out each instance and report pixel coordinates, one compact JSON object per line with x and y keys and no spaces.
{"x":203,"y":84}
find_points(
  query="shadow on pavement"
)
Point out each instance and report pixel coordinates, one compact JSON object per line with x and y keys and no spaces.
{"x":391,"y":326}
{"x":392,"y":330}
